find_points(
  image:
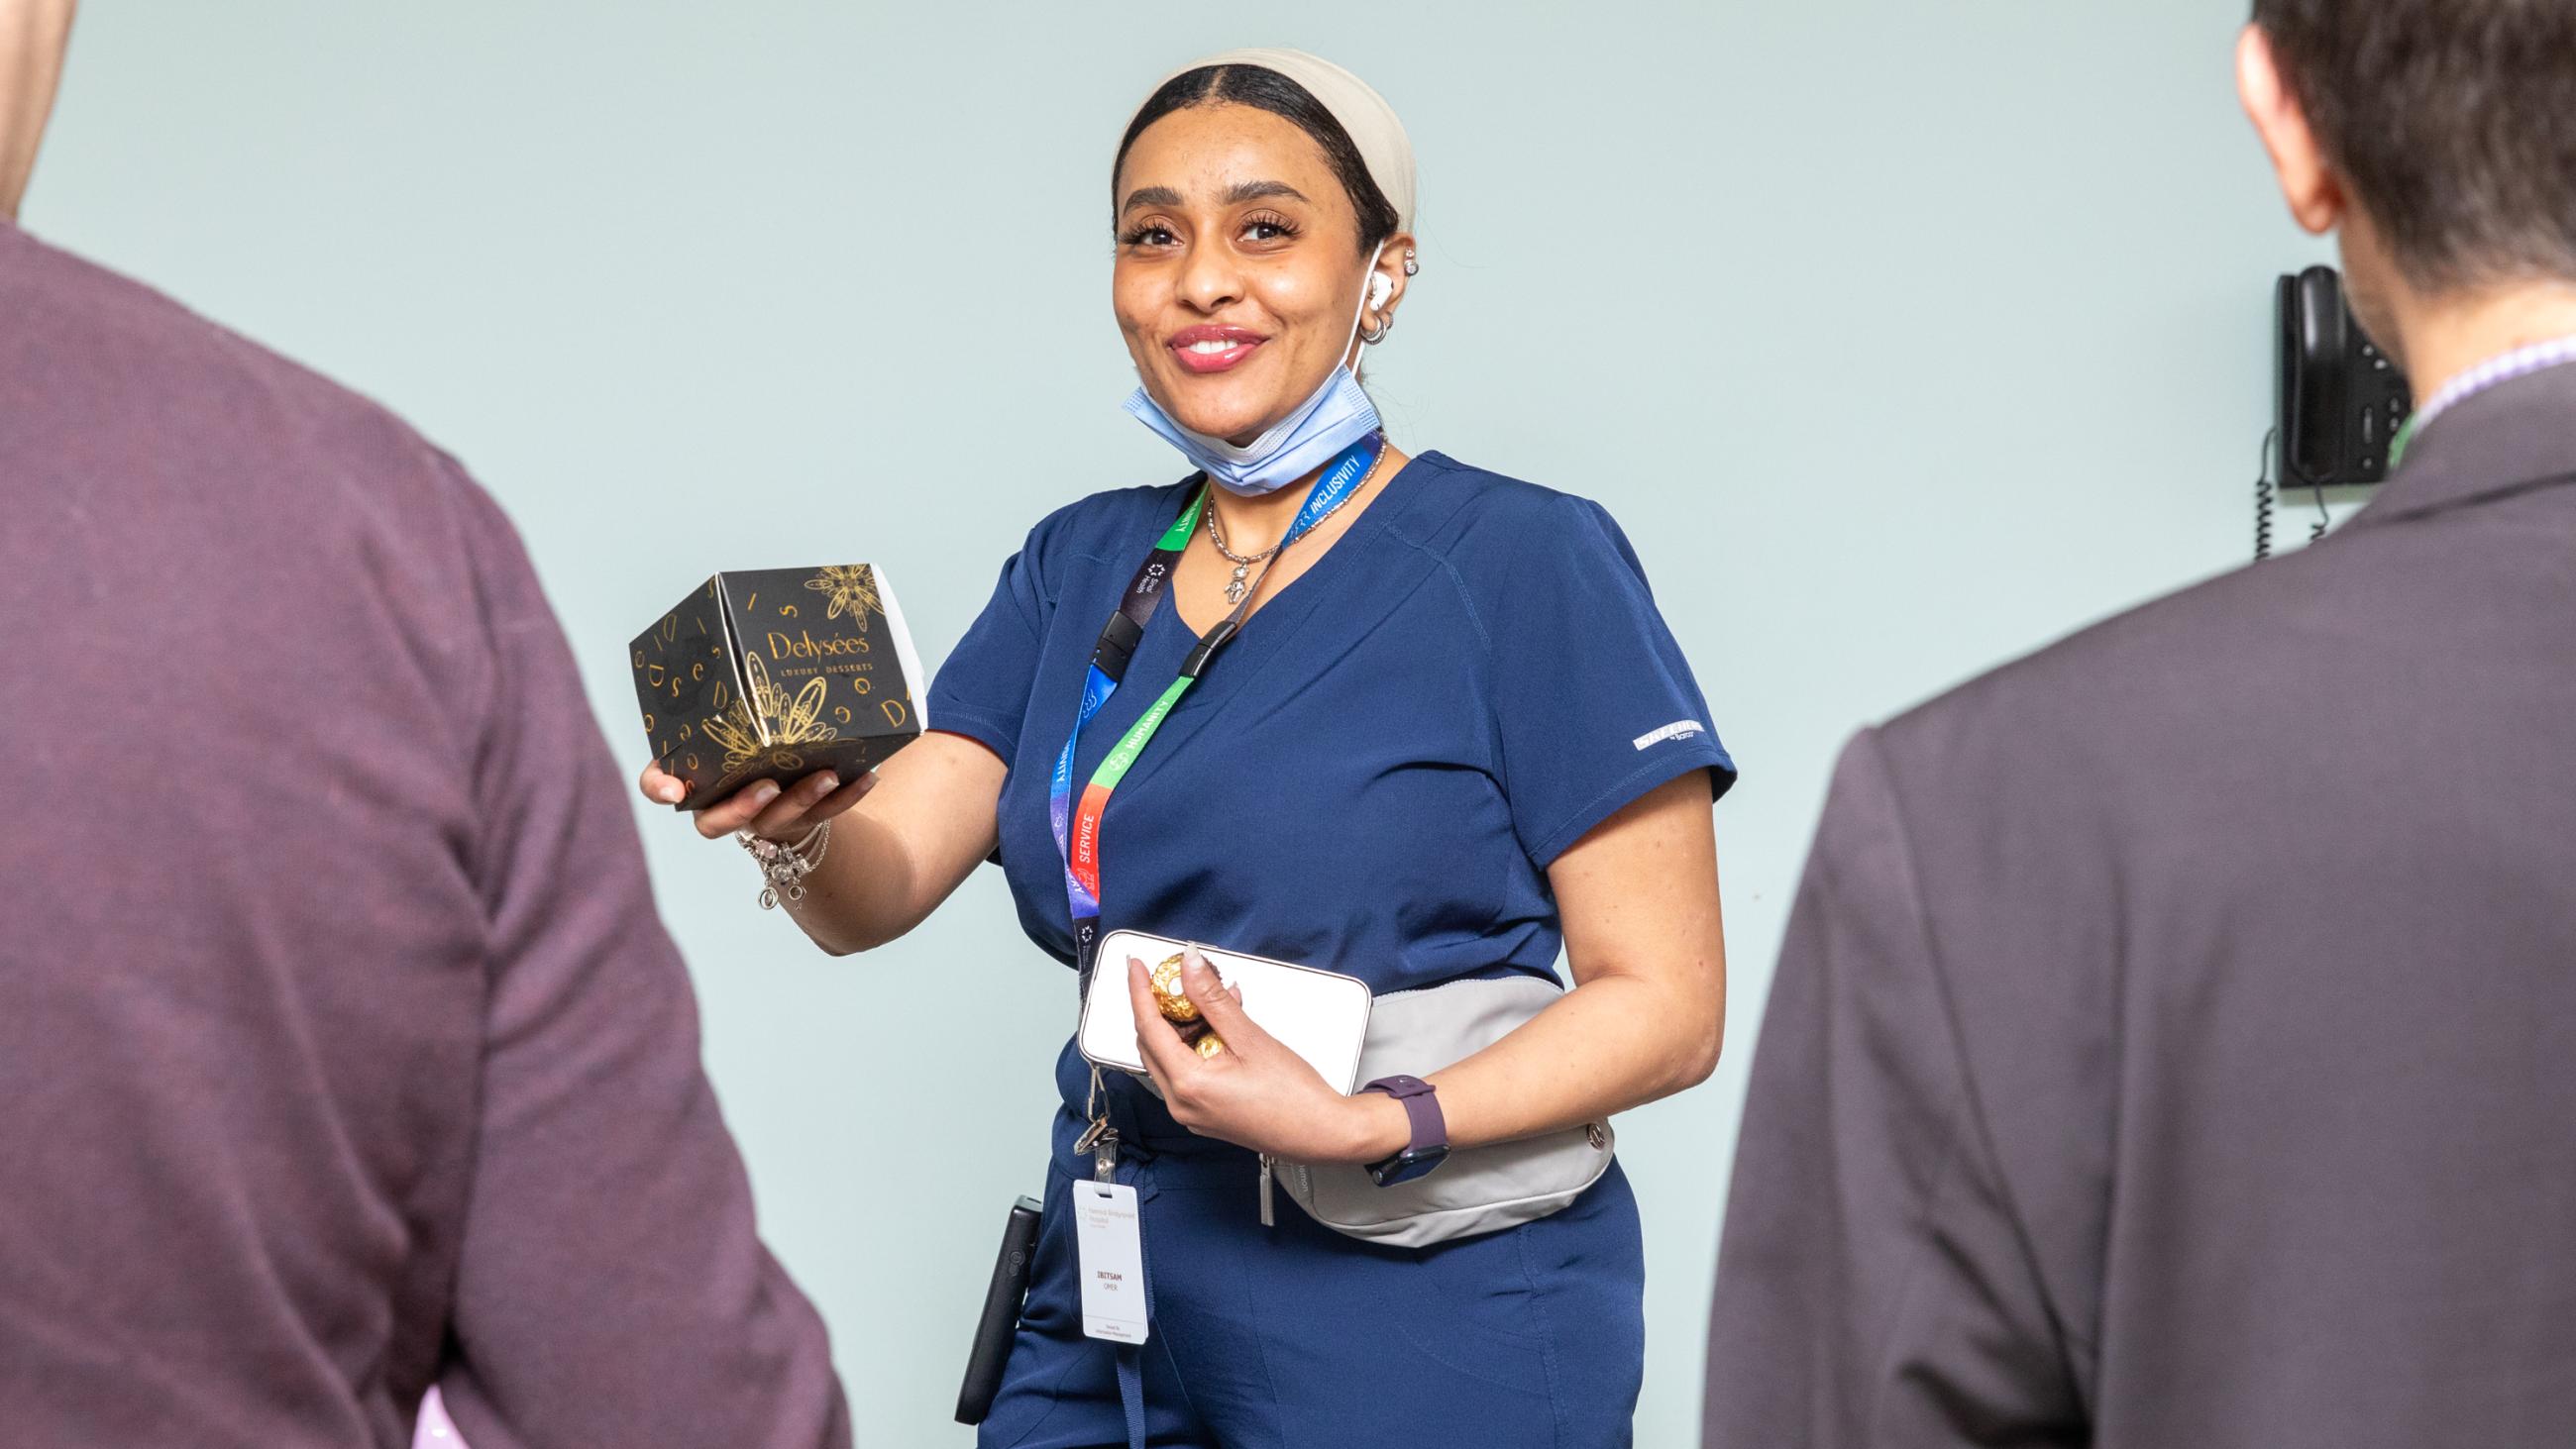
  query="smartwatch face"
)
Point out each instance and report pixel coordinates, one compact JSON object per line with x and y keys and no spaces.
{"x":1410,"y":1164}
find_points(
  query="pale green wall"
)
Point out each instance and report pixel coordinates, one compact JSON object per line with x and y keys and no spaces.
{"x":1901,"y":336}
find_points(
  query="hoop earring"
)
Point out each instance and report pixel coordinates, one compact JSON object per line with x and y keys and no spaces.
{"x":1377,"y":334}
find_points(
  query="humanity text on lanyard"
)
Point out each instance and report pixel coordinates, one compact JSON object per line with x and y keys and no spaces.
{"x":1077,"y":830}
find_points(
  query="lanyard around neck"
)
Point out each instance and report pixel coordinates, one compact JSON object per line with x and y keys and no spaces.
{"x":1077,"y":829}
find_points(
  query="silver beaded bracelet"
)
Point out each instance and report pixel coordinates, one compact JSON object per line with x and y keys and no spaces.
{"x":785,"y":866}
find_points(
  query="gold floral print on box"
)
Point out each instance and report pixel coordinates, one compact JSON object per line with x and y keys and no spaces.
{"x":852,"y":589}
{"x":767,"y":733}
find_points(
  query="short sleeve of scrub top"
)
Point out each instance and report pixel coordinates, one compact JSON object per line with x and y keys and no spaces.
{"x":1374,"y":776}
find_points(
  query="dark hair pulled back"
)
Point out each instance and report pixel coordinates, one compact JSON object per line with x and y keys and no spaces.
{"x":1264,"y":89}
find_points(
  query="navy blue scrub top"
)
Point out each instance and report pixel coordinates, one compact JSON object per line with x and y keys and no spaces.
{"x":1374,"y":776}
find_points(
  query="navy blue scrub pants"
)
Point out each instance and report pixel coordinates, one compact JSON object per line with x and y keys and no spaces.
{"x":1296,"y":1335}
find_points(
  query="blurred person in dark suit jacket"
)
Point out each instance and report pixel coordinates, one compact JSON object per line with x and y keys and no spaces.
{"x":343,"y":1054}
{"x":2175,"y":1038}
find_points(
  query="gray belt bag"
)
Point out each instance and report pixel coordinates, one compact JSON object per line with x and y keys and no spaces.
{"x":1476,"y":1189}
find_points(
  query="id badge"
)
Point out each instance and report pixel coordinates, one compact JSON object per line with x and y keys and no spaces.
{"x":1111,"y":1251}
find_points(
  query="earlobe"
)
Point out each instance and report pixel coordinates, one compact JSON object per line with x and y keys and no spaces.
{"x":2308,"y":184}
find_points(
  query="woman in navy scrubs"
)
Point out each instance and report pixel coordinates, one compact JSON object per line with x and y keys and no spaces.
{"x":1451,"y":735}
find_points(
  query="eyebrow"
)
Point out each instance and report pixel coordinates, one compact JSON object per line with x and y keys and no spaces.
{"x":1243,"y":191}
{"x":1235,"y":195}
{"x":1150,"y":196}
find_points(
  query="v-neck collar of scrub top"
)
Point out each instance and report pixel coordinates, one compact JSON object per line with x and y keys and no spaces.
{"x":1269,"y":628}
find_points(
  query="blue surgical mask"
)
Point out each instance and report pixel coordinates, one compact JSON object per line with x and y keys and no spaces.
{"x":1337,"y":415}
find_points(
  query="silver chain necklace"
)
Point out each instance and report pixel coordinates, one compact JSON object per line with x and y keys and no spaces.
{"x":1238,"y":586}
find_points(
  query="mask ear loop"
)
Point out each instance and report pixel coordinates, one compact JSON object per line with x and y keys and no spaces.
{"x":1351,"y":344}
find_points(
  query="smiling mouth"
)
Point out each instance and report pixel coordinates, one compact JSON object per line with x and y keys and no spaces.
{"x":1205,"y":350}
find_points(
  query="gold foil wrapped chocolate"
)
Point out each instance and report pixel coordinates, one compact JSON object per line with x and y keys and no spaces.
{"x":1174,"y":1003}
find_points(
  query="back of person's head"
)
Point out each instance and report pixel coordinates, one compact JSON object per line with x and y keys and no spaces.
{"x":2451,"y":122}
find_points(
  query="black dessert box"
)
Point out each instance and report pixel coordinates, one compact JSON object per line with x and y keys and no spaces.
{"x":775,"y":674}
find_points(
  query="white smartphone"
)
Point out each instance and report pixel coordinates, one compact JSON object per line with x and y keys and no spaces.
{"x":1320,"y":1015}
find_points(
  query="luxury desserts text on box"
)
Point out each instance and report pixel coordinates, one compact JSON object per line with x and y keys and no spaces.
{"x":774,"y":674}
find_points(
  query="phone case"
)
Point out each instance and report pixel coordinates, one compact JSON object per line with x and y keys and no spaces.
{"x":1320,"y":1015}
{"x":1001,"y":1317}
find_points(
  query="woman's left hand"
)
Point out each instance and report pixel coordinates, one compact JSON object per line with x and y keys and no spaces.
{"x":1256,"y":1093}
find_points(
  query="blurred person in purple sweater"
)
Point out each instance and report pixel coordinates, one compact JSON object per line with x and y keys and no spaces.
{"x":343,"y":1052}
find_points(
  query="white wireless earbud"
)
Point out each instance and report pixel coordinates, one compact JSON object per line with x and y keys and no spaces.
{"x":1379,"y":289}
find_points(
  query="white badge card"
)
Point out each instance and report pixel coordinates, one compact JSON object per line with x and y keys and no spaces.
{"x":1112,"y":1255}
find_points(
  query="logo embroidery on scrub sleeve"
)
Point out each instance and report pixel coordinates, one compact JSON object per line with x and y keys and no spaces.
{"x":1676,"y":730}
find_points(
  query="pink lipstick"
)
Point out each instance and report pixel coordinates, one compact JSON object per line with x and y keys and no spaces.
{"x":1209,"y":349}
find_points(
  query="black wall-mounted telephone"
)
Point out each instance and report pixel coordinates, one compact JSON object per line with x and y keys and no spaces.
{"x":2341,"y":399}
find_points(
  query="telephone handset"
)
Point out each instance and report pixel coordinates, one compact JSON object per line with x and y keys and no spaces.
{"x":2342,"y":401}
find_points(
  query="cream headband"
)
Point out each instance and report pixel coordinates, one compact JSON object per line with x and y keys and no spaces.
{"x":1361,"y":111}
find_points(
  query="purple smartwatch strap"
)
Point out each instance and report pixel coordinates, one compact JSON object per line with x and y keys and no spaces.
{"x":1421,"y":1108}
